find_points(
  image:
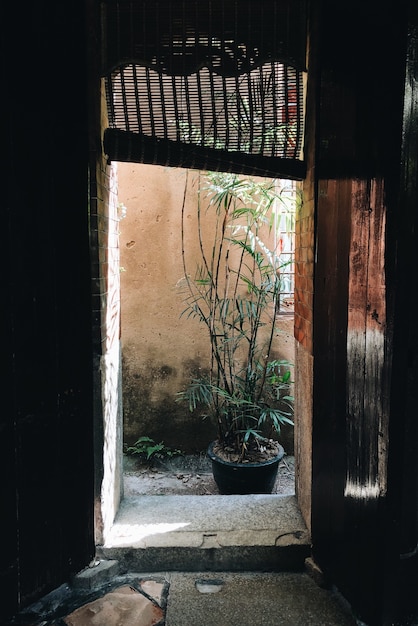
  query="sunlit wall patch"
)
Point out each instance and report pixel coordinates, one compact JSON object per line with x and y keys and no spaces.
{"x":365,"y":491}
{"x":367,"y":416}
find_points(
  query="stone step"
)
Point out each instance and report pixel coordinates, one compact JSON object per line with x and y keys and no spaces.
{"x":208,"y":533}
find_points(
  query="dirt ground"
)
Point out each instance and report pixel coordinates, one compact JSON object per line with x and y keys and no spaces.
{"x":188,"y":475}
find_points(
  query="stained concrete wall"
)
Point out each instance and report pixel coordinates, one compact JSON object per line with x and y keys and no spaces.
{"x":161,"y":350}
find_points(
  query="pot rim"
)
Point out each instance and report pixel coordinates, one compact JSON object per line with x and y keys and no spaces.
{"x":215,"y":457}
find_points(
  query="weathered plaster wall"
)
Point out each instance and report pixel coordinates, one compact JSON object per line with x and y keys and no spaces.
{"x":161,"y":350}
{"x":105,"y":288}
{"x":304,"y":292}
{"x":304,"y":361}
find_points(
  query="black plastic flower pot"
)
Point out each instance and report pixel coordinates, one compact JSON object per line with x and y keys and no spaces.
{"x":244,"y":478}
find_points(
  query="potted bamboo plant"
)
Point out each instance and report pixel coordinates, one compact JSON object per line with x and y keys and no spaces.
{"x":234,"y":291}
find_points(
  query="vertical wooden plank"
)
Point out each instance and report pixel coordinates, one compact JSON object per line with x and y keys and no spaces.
{"x":330,"y":347}
{"x":367,"y":410}
{"x":349,"y":384}
{"x":354,"y":513}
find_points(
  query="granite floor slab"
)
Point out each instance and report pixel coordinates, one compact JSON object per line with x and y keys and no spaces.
{"x":193,"y":599}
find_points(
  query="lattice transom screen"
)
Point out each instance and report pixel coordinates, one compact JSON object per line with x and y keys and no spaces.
{"x":194,"y":91}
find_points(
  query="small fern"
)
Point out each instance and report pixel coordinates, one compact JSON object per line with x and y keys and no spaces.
{"x":147,"y":448}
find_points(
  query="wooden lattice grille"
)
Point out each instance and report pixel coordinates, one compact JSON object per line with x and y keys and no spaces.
{"x":201,"y":83}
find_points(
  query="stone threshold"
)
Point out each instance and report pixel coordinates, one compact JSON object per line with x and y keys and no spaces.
{"x":213,"y":533}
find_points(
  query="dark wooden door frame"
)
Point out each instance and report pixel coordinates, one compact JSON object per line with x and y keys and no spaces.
{"x":365,"y":444}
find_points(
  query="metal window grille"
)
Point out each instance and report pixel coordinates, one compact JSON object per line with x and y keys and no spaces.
{"x":285,"y":211}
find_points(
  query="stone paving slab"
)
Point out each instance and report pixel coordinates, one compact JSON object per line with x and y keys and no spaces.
{"x":195,"y":599}
{"x":252,"y":599}
{"x":124,"y":606}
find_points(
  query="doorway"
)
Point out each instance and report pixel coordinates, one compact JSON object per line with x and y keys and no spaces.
{"x":164,"y":525}
{"x":169,"y":187}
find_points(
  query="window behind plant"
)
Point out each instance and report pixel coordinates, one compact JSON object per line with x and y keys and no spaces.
{"x":287,"y":191}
